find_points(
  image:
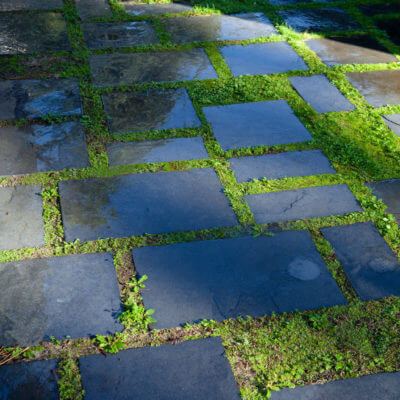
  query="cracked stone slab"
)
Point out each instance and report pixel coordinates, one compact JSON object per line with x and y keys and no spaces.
{"x":195,"y":369}
{"x":129,"y":205}
{"x":118,"y":69}
{"x":393,"y":122}
{"x":153,"y":109}
{"x":262,"y":58}
{"x":35,"y":98}
{"x":381,"y":8}
{"x":135,"y":8}
{"x":391,"y":26}
{"x":228,"y":278}
{"x":74,"y":295}
{"x":15,"y":5}
{"x":322,"y":95}
{"x":367,"y":259}
{"x":263,"y":123}
{"x":88,"y":9}
{"x":281,"y":165}
{"x":293,"y":205}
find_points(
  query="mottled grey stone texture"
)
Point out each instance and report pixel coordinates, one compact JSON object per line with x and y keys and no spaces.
{"x":14,"y":5}
{"x":36,"y":98}
{"x":322,"y":95}
{"x":255,"y":124}
{"x":393,"y":122}
{"x":88,"y":9}
{"x":135,"y":8}
{"x":381,"y":8}
{"x":74,"y":295}
{"x":228,"y":278}
{"x":153,"y":109}
{"x":262,"y":58}
{"x":389,"y":192}
{"x":282,"y":165}
{"x":118,"y":69}
{"x":312,"y":202}
{"x":149,"y":202}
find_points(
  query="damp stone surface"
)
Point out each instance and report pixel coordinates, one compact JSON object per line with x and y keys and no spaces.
{"x":393,"y":122}
{"x":88,"y":9}
{"x":17,"y":5}
{"x":133,"y":8}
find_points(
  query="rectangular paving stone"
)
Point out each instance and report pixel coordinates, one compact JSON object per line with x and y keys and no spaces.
{"x":393,"y":122}
{"x":195,"y":369}
{"x":293,"y":205}
{"x":35,"y":98}
{"x":322,"y":95}
{"x":135,"y":8}
{"x":88,"y":9}
{"x":153,"y":151}
{"x":228,"y":278}
{"x":118,"y":69}
{"x":369,"y":262}
{"x":150,"y":202}
{"x":381,"y":8}
{"x":391,"y":26}
{"x":75,"y":295}
{"x":262,"y":58}
{"x":389,"y":192}
{"x":40,"y":148}
{"x":153,"y":109}
{"x":263,"y":123}
{"x":14,"y":5}
{"x":281,"y":165}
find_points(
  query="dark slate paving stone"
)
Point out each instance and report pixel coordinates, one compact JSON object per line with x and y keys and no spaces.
{"x":391,"y":26}
{"x":312,"y":202}
{"x":88,"y":9}
{"x":322,"y":95}
{"x":228,"y":278}
{"x":369,"y":262}
{"x":393,"y":122}
{"x":156,"y":151}
{"x":149,"y":202}
{"x":21,"y":223}
{"x":262,"y":58}
{"x":38,"y":33}
{"x":35,"y":98}
{"x":29,"y":380}
{"x":133,"y":8}
{"x":154,"y":109}
{"x":379,"y":88}
{"x":75,"y":295}
{"x":14,"y":5}
{"x":161,"y":66}
{"x":40,"y":148}
{"x":255,"y":124}
{"x":389,"y":192}
{"x":383,"y":8}
{"x":282,"y":165}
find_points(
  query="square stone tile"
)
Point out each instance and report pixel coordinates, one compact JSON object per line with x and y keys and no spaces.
{"x":150,"y":202}
{"x":156,"y":151}
{"x":36,"y":98}
{"x":264,"y":123}
{"x":262,"y":58}
{"x":391,"y":26}
{"x":39,"y":148}
{"x":293,"y":205}
{"x":119,"y":69}
{"x":195,"y":370}
{"x":322,"y":95}
{"x":14,"y":5}
{"x":88,"y":9}
{"x":281,"y":165}
{"x":21,"y":222}
{"x":228,"y":278}
{"x":389,"y":193}
{"x":369,"y":262}
{"x":135,"y":8}
{"x":393,"y":122}
{"x":74,"y":295}
{"x":381,"y":8}
{"x":153,"y":109}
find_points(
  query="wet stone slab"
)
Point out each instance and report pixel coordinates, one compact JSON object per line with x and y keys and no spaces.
{"x":150,"y":202}
{"x":368,"y":261}
{"x":393,"y":122}
{"x":322,"y":95}
{"x":153,"y":109}
{"x":391,"y":26}
{"x":262,"y":58}
{"x":167,"y":66}
{"x":88,"y":9}
{"x":14,"y":5}
{"x":263,"y":123}
{"x":228,"y":278}
{"x":382,"y":8}
{"x":75,"y":295}
{"x":135,"y":8}
{"x":389,"y":193}
{"x":36,"y":98}
{"x":293,"y":205}
{"x":195,"y":370}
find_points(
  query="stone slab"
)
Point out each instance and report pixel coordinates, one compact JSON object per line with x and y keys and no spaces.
{"x":369,"y":262}
{"x":154,"y":151}
{"x":382,"y":8}
{"x":281,"y":165}
{"x":149,"y":202}
{"x":221,"y":279}
{"x":40,"y":148}
{"x":153,"y":109}
{"x":391,"y":26}
{"x":196,"y":370}
{"x":74,"y":295}
{"x":88,"y":9}
{"x":262,"y":58}
{"x":389,"y":192}
{"x":393,"y":122}
{"x":135,"y":8}
{"x":312,"y":202}
{"x":15,"y":5}
{"x":263,"y":123}
{"x":322,"y":95}
{"x":118,"y":69}
{"x":36,"y":98}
